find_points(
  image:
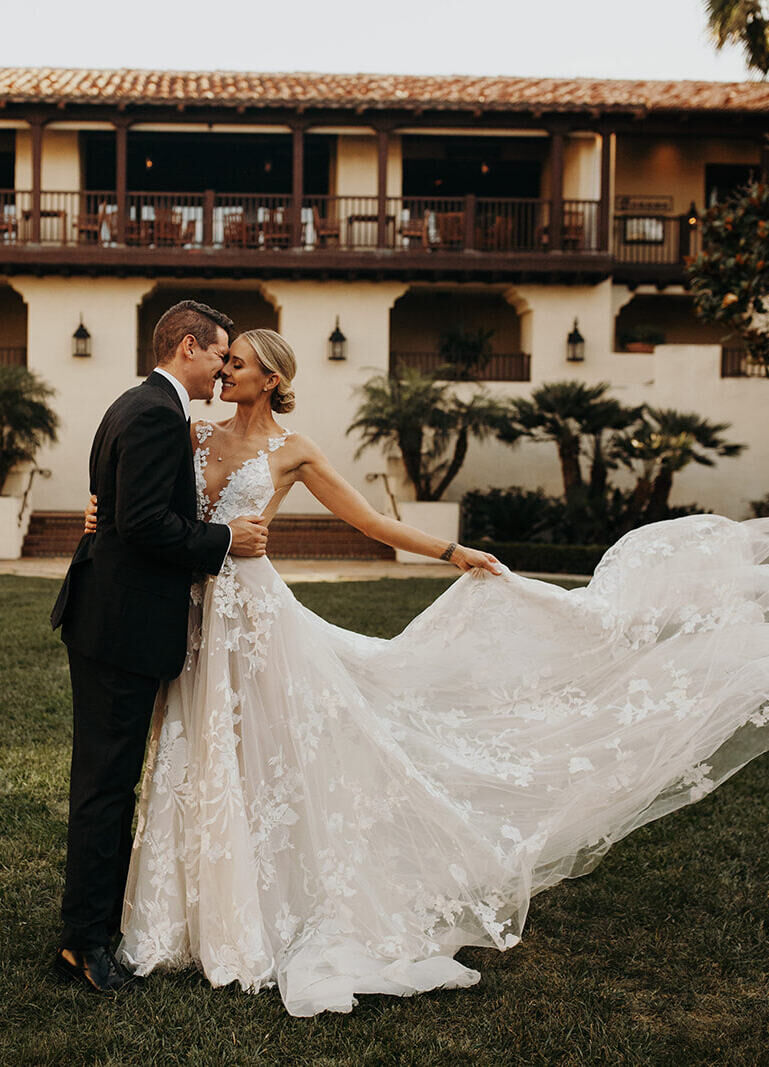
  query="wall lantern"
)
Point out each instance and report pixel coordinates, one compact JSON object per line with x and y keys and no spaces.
{"x":692,"y":217}
{"x":575,"y":345}
{"x":81,"y":341}
{"x":337,"y":343}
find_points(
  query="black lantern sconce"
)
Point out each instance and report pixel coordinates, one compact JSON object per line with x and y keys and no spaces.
{"x":575,"y":345}
{"x":692,"y":217}
{"x":81,"y":341}
{"x":337,"y":343}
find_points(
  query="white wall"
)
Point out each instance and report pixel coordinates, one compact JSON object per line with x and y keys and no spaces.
{"x":675,"y":167}
{"x":84,"y":387}
{"x":60,"y":164}
{"x":357,"y":166}
{"x":686,"y":377}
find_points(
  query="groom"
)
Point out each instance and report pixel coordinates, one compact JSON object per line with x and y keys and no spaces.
{"x":123,"y":611}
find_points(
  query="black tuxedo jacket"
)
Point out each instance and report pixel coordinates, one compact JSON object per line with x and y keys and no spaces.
{"x":125,"y":598}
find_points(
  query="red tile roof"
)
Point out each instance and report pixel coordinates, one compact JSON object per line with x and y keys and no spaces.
{"x":230,"y":88}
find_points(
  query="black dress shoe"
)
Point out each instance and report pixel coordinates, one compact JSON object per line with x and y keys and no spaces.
{"x":95,"y":967}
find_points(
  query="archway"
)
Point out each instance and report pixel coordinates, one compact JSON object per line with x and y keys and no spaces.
{"x":667,"y":319}
{"x":247,"y":307}
{"x":420,"y":319}
{"x":13,"y":327}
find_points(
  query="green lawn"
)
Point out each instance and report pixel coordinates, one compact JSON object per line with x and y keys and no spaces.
{"x":659,"y":957}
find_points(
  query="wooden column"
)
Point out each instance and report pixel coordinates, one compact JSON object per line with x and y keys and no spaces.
{"x":383,"y":146}
{"x":470,"y":212}
{"x":36,"y":129}
{"x":208,"y":218}
{"x":297,"y":184}
{"x":604,"y":208}
{"x":556,"y":190}
{"x":121,"y":179}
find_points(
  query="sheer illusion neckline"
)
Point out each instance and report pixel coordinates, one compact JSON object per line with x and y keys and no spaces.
{"x":203,"y":431}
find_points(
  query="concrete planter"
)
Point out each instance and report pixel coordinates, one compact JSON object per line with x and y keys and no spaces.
{"x":13,"y":526}
{"x":437,"y":517}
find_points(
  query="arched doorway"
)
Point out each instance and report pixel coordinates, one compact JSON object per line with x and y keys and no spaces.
{"x":248,"y":308}
{"x":13,"y":328}
{"x":422,"y":318}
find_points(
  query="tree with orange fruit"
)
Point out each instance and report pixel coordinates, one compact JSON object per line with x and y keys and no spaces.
{"x":730,"y":277}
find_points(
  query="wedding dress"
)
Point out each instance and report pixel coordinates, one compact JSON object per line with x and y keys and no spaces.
{"x":339,"y":813}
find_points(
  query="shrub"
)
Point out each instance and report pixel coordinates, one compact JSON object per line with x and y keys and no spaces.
{"x":543,"y":558}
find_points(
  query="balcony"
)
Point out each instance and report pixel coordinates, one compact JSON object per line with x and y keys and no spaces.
{"x":653,"y":248}
{"x":211,"y":233}
{"x":737,"y":363}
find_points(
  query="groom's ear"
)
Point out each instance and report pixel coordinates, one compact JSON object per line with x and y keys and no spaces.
{"x":187,"y":345}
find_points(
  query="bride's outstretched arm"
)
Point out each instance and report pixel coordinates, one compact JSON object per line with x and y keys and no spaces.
{"x":330,"y":488}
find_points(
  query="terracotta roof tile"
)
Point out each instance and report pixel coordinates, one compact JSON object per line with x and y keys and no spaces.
{"x":40,"y":84}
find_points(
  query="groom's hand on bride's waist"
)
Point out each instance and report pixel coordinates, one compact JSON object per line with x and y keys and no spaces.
{"x":249,"y":536}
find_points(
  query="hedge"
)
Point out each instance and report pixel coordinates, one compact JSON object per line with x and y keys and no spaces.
{"x":544,"y":558}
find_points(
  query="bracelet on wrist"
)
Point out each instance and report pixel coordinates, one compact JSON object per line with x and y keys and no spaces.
{"x":449,"y":552}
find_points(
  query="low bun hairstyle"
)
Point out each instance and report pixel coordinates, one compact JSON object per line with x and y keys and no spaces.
{"x":276,"y":357}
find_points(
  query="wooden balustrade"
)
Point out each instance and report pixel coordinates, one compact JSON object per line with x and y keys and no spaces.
{"x":210,"y":220}
{"x":13,"y":356}
{"x":504,"y":367}
{"x":665,"y":240}
{"x":737,"y":363}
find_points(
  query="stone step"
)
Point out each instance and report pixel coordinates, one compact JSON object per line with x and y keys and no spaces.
{"x":56,"y":533}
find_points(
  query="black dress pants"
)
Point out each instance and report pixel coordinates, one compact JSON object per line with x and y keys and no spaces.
{"x":112,"y":713}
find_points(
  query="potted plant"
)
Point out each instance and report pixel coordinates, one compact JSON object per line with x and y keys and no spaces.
{"x":641,"y":338}
{"x":429,"y":426}
{"x":26,"y":422}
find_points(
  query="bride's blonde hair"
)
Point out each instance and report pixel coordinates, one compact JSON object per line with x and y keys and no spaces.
{"x":276,"y":357}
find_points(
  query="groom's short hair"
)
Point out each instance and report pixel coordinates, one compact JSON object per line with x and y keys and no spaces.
{"x":188,"y":316}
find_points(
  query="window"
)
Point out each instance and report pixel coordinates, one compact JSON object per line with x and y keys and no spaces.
{"x":643,"y":230}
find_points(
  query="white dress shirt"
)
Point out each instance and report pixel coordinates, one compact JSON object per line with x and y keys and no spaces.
{"x":184,"y":397}
{"x":182,"y":393}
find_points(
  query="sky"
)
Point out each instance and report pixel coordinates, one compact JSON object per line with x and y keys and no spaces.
{"x":556,"y":38}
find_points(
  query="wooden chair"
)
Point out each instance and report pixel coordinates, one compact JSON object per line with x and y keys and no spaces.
{"x":573,"y":233}
{"x":276,"y":229}
{"x":500,"y":236}
{"x":325,"y":229}
{"x":90,"y":227}
{"x":234,"y":230}
{"x":451,"y":228}
{"x":8,"y":227}
{"x":168,"y":226}
{"x":415,"y":229}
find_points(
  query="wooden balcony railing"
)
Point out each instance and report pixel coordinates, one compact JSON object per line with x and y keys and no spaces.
{"x":15,"y":356}
{"x":506,"y":367}
{"x":736,"y":363}
{"x":664,"y":240}
{"x":255,"y":222}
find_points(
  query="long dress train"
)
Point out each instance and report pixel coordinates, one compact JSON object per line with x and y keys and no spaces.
{"x":339,"y":813}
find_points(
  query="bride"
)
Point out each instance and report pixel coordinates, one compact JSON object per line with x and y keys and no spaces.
{"x":338,"y":814}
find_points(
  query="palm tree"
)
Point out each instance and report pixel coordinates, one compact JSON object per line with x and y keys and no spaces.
{"x":466,"y":352}
{"x":565,"y":413}
{"x":741,"y":22}
{"x":664,"y":442}
{"x":422,"y":419}
{"x":26,"y":420}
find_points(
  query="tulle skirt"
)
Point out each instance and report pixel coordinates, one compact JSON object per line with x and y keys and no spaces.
{"x":338,"y":814}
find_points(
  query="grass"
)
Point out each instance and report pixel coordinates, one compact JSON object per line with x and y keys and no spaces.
{"x":658,"y":957}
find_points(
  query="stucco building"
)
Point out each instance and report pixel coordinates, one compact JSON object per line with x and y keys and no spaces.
{"x":397,"y":205}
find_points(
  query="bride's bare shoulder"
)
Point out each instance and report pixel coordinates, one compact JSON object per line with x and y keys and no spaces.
{"x":303,"y":449}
